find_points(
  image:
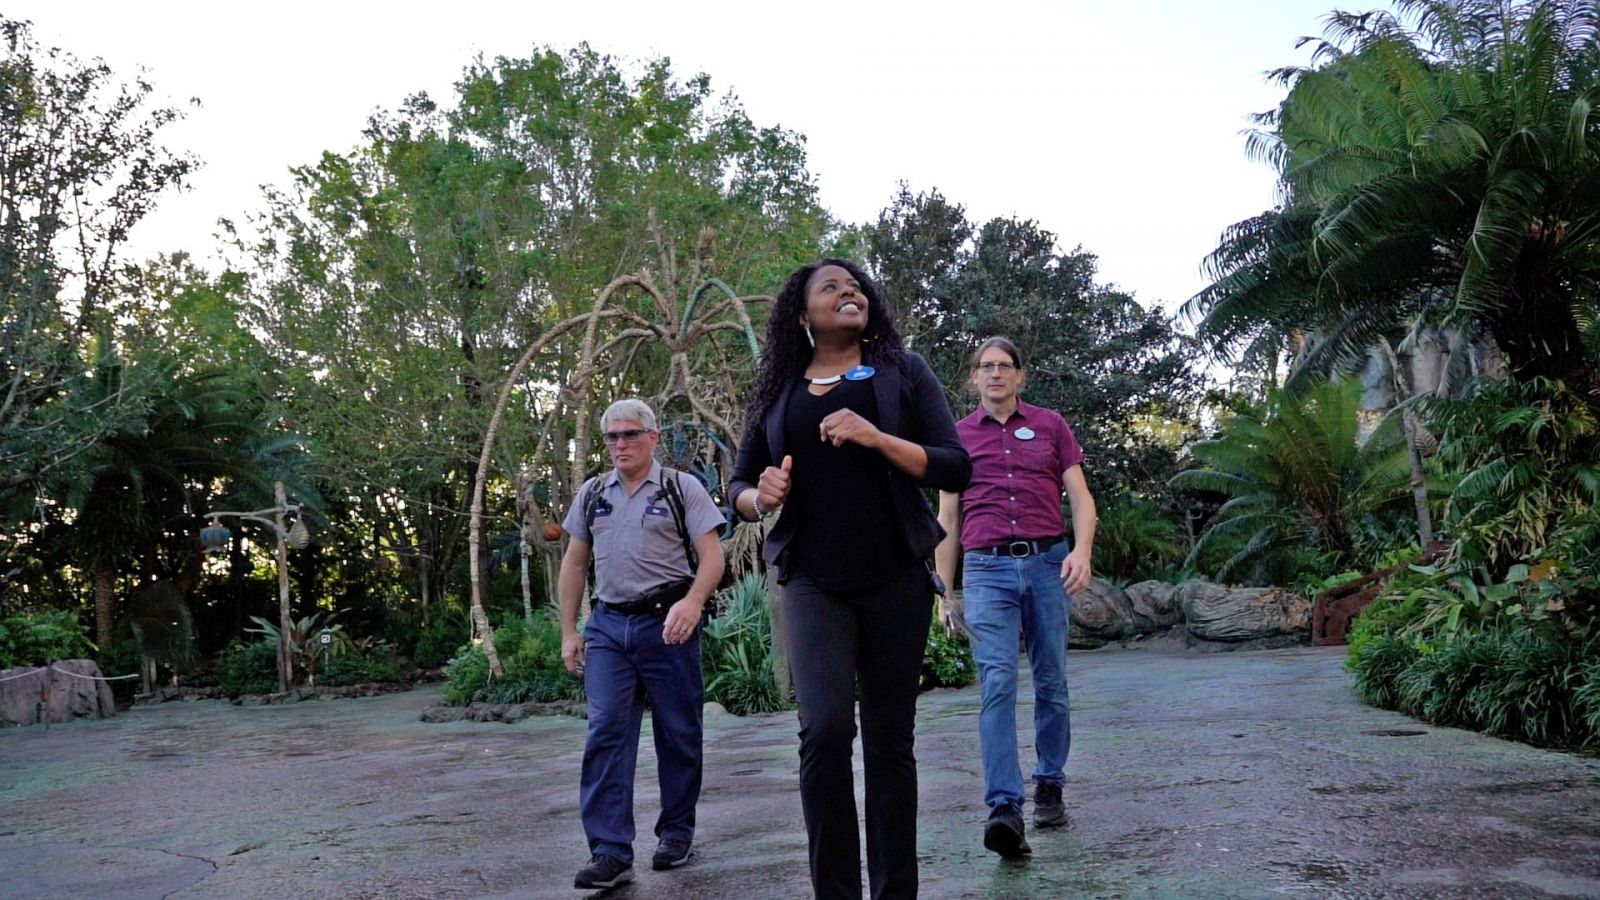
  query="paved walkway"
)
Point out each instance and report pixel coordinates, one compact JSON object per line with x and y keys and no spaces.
{"x":1229,"y":775}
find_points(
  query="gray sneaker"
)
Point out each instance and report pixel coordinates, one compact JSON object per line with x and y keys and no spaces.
{"x":1048,"y":808}
{"x":671,"y":854}
{"x":603,"y":872}
{"x":1004,"y":832}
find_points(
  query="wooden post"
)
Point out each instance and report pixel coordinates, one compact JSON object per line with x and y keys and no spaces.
{"x":285,"y":670}
{"x":44,"y":693}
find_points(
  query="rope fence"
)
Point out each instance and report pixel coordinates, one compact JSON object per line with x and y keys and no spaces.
{"x":17,"y":675}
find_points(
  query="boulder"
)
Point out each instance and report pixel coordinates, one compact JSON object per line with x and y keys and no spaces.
{"x":1238,"y":618}
{"x":70,"y":689}
{"x":1155,"y":601}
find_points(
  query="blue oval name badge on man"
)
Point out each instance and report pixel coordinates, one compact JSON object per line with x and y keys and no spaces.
{"x":1025,"y":433}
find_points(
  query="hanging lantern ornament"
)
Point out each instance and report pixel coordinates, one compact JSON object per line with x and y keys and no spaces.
{"x":299,"y":536}
{"x":215,"y":537}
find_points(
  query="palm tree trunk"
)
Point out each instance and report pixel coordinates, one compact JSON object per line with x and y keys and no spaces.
{"x":1419,"y":483}
{"x":105,"y":604}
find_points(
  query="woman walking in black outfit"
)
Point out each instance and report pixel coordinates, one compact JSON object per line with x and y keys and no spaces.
{"x":844,"y":430}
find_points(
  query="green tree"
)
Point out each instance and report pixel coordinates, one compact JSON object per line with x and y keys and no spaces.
{"x":1299,"y":485}
{"x":79,"y":166}
{"x":1439,"y":165}
{"x":129,"y":508}
{"x":396,"y":285}
{"x":1115,"y":369}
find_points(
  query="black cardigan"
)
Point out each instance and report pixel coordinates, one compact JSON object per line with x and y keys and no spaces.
{"x":911,"y":406}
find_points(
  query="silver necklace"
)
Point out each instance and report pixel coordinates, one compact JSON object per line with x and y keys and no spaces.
{"x":831,"y":379}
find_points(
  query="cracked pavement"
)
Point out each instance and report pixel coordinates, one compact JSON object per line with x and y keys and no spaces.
{"x":1238,"y":775}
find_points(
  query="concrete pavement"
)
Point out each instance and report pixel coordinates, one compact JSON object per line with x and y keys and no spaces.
{"x":1215,"y":775}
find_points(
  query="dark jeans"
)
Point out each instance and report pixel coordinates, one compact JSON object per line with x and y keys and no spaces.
{"x":837,"y":642}
{"x":625,"y":659}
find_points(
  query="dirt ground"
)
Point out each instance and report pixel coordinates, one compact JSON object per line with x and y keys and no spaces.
{"x":1218,"y":775}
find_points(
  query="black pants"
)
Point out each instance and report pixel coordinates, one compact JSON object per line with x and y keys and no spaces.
{"x":837,"y":641}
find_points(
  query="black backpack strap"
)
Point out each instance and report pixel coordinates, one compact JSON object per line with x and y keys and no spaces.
{"x":590,"y":495}
{"x":591,"y":504}
{"x":680,"y":516}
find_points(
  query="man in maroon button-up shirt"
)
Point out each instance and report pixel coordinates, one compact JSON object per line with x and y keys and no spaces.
{"x":1019,"y":570}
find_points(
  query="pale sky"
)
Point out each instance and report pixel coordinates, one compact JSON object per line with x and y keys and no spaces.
{"x":1115,"y":125}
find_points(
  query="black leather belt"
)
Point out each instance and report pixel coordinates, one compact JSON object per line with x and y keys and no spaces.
{"x":1020,"y":549}
{"x":655,"y":603}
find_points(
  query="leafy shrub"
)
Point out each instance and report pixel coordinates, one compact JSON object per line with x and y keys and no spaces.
{"x":358,"y":668}
{"x":36,"y":638}
{"x":466,"y":674}
{"x":248,"y":669}
{"x":1586,"y":697}
{"x":1377,"y":663}
{"x":530,"y":651}
{"x":736,"y":651}
{"x":1299,"y":485}
{"x":438,"y":643}
{"x":1134,"y":539}
{"x":1512,"y":678}
{"x":947,"y":660}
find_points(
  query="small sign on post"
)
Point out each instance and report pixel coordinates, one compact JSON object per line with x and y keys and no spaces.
{"x":327,"y":638}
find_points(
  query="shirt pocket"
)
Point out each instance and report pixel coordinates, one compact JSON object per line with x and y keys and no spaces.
{"x":1037,"y":455}
{"x":658,"y":525}
{"x":604,"y":533}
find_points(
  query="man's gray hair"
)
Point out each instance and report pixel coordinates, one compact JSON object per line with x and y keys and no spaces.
{"x":629,"y":410}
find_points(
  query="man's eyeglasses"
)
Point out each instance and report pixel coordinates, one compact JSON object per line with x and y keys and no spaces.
{"x":624,"y":437}
{"x":989,"y":368}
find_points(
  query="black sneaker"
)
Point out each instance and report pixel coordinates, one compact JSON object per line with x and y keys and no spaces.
{"x":603,"y":872}
{"x":671,"y":854}
{"x":1048,"y":809}
{"x":1004,"y":833}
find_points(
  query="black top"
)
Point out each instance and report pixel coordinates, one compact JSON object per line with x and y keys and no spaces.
{"x":911,"y":405}
{"x":846,"y":538}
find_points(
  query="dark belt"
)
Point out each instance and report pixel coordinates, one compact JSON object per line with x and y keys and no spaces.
{"x":1019,"y":549}
{"x":654,"y":603}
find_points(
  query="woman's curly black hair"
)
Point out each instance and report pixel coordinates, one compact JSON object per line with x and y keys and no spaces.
{"x":788,"y":352}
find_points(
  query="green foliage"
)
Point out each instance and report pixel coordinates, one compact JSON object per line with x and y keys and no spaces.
{"x":1297,"y":482}
{"x":307,"y":651}
{"x":248,"y":668}
{"x":357,"y":667}
{"x":419,"y":266}
{"x":36,"y":638}
{"x":947,"y":660}
{"x":1437,"y":165}
{"x":466,"y":674}
{"x":438,"y":643}
{"x":530,"y":650}
{"x":82,"y":166}
{"x":1529,"y":454}
{"x":736,"y":651}
{"x":1134,"y":539}
{"x":1116,"y":369}
{"x":1510,"y":679}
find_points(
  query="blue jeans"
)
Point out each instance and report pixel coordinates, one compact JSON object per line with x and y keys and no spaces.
{"x":1006,"y":597}
{"x":625,"y":660}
